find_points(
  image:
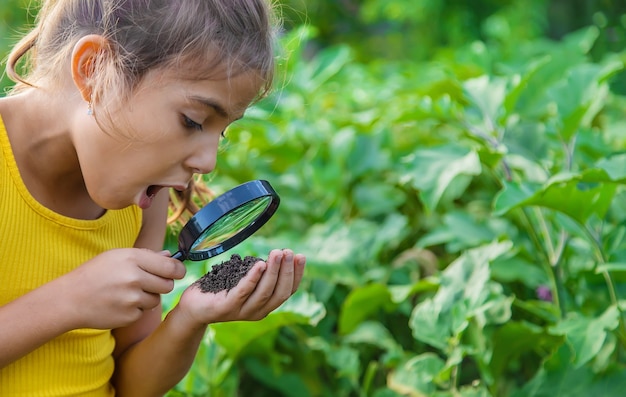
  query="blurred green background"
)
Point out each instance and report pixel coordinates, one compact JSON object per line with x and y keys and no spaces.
{"x":415,"y":30}
{"x":455,"y":172}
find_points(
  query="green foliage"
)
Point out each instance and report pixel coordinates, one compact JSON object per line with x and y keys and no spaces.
{"x":14,"y":17}
{"x":462,"y":208}
{"x":463,"y":220}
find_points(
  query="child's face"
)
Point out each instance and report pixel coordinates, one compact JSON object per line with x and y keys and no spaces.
{"x":169,"y":130}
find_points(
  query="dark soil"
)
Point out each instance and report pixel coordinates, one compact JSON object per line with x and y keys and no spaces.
{"x":226,"y":275}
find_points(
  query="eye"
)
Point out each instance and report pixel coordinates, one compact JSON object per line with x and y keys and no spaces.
{"x":189,"y":123}
{"x":223,"y":134}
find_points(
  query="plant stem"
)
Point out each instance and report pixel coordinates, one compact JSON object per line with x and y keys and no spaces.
{"x":601,"y":258}
{"x":551,"y":271}
{"x":545,"y":233}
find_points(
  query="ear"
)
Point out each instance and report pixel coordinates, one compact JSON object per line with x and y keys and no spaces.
{"x":84,"y":56}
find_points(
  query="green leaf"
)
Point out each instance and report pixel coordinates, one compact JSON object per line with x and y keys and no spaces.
{"x":559,"y":378}
{"x":520,"y":83}
{"x":459,"y":230}
{"x":345,"y":360}
{"x":585,"y":335}
{"x":543,"y":310}
{"x":289,"y":384}
{"x":323,"y":67}
{"x":416,"y":376}
{"x":614,"y":166}
{"x":433,"y":170}
{"x":336,"y":250}
{"x":400,"y":293}
{"x":583,"y":39}
{"x":301,"y":308}
{"x":515,"y":339}
{"x":576,"y":195}
{"x":580,"y":95}
{"x":361,"y":304}
{"x":488,"y":94}
{"x":375,"y":199}
{"x":512,"y":269}
{"x":464,"y":292}
{"x":375,"y":334}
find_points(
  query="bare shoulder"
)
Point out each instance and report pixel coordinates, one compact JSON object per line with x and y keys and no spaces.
{"x":6,"y":104}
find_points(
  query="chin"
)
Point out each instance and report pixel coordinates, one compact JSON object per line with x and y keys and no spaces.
{"x":110,"y":203}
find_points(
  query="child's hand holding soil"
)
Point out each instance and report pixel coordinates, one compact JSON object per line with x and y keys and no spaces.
{"x":227,"y":274}
{"x":265,"y":286}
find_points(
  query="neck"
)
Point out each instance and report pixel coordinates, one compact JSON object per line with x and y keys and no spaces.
{"x":40,"y":133}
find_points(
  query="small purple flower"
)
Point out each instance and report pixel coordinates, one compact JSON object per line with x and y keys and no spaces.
{"x":544,"y":293}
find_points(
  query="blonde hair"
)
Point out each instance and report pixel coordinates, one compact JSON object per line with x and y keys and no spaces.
{"x":200,"y":38}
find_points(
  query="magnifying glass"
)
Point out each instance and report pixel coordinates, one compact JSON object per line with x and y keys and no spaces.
{"x":227,"y":220}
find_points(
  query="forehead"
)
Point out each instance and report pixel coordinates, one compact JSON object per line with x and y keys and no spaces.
{"x":234,"y":92}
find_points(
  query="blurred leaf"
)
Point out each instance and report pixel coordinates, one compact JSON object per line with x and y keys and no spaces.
{"x":301,"y":308}
{"x":373,"y":333}
{"x":580,"y":95}
{"x":577,"y":195}
{"x":325,"y":65}
{"x":559,"y":378}
{"x":520,"y":83}
{"x":432,"y":171}
{"x":464,"y":293}
{"x":375,"y":199}
{"x":459,"y":231}
{"x":507,"y":270}
{"x":416,"y":376}
{"x":515,"y":339}
{"x":488,"y":94}
{"x":361,"y":303}
{"x":586,"y":336}
{"x":289,"y":384}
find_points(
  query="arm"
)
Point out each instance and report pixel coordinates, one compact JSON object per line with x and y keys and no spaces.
{"x":133,"y":359}
{"x":151,"y":363}
{"x":32,"y":320}
{"x":83,"y":298}
{"x":152,"y":236}
{"x":154,"y":365}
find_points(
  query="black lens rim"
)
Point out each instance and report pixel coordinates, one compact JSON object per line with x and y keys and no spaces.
{"x":220,"y":207}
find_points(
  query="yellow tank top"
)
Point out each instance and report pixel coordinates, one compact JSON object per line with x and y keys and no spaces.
{"x":38,"y":245}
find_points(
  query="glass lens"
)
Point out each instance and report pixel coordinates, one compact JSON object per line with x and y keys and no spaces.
{"x":231,"y":224}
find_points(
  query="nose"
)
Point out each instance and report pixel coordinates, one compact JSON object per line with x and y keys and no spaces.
{"x":203,"y":158}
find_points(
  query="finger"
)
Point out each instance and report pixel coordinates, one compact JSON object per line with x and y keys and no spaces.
{"x":284,"y":284}
{"x":156,"y":285}
{"x":249,"y":283}
{"x":265,"y":290}
{"x":299,"y":263}
{"x":149,"y":301}
{"x":159,"y":265}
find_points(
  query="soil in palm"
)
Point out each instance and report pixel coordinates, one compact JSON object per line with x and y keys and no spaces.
{"x":226,"y":275}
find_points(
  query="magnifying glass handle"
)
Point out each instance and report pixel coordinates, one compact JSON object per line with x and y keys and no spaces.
{"x":178,"y":255}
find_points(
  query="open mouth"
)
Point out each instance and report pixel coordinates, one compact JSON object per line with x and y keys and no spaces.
{"x":146,"y":200}
{"x":153,"y":190}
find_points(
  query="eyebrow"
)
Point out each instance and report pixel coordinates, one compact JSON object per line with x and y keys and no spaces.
{"x":212,"y":104}
{"x":208,"y":102}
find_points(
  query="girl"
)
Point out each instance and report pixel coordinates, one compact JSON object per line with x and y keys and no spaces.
{"x":123,"y":101}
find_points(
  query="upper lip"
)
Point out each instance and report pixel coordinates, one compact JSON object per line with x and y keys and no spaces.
{"x":180,"y":186}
